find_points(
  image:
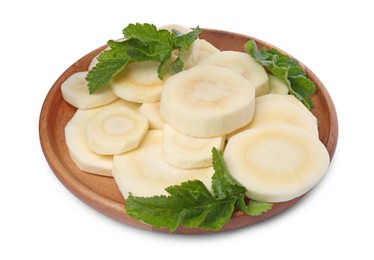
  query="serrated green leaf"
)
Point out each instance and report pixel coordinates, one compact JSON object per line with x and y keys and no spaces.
{"x":184,"y":41}
{"x":111,"y":62}
{"x":189,"y":204}
{"x":147,"y":33}
{"x":254,"y":208}
{"x":143,"y":42}
{"x":223,"y":184}
{"x":176,"y":66}
{"x":285,"y":68}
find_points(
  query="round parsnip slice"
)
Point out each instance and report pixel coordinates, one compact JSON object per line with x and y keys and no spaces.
{"x":187,"y":152}
{"x":207,"y":101}
{"x":277,"y":86}
{"x":143,"y":172}
{"x":75,"y":91}
{"x":75,"y":136}
{"x":278,"y":163}
{"x":139,"y":83}
{"x":206,"y":49}
{"x":243,"y":64}
{"x":152,"y":112}
{"x":287,"y":98}
{"x":115,"y":130}
{"x":275,"y":112}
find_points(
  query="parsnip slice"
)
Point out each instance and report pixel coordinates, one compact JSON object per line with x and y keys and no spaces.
{"x":152,"y":112}
{"x":75,"y":91}
{"x":207,"y":101}
{"x":75,"y":136}
{"x":243,"y":64}
{"x":143,"y":172}
{"x":277,"y":163}
{"x":115,"y":130}
{"x":187,"y":152}
{"x":139,"y":83}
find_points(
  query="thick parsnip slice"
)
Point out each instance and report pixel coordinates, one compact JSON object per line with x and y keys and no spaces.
{"x":75,"y":91}
{"x":277,"y":163}
{"x":207,"y":101}
{"x":75,"y":136}
{"x":152,"y":112}
{"x":143,"y":171}
{"x":243,"y":64}
{"x":115,"y":130}
{"x":286,"y":98}
{"x":277,"y":86}
{"x":187,"y":152}
{"x":139,"y":83}
{"x":274,"y":112}
{"x":206,"y":49}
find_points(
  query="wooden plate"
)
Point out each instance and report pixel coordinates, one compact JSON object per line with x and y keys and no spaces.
{"x":102,"y":194}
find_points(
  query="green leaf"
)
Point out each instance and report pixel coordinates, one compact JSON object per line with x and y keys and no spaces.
{"x":254,"y":208}
{"x":189,"y":204}
{"x":223,"y":184}
{"x":261,"y":56}
{"x":286,"y":69}
{"x":111,"y":62}
{"x":143,"y":42}
{"x":184,"y":41}
{"x":176,"y":66}
{"x":147,"y":33}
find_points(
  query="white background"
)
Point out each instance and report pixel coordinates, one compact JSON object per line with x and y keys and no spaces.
{"x":40,"y":219}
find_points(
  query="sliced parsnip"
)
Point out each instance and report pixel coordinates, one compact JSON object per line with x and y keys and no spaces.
{"x":277,"y":86}
{"x":287,"y":98}
{"x":75,"y":91}
{"x":205,"y":50}
{"x":275,"y":112}
{"x":143,"y":172}
{"x":243,"y":64}
{"x":139,"y":83}
{"x":187,"y":152}
{"x":277,"y":163}
{"x":207,"y":101}
{"x":115,"y":130}
{"x":75,"y":136}
{"x":152,"y":112}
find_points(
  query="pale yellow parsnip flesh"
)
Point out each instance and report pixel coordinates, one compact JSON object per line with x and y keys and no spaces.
{"x":187,"y":152}
{"x":276,"y":163}
{"x":76,"y":141}
{"x":143,"y":172}
{"x":116,"y":130}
